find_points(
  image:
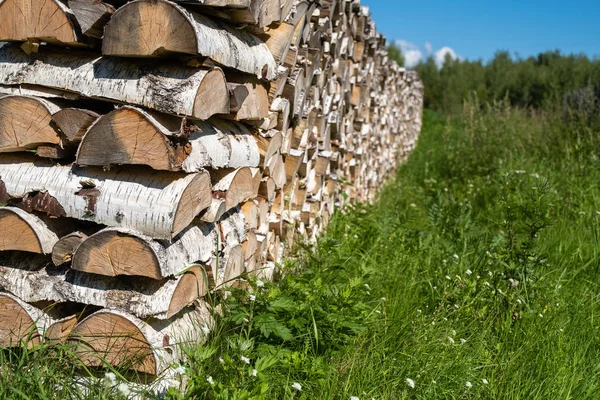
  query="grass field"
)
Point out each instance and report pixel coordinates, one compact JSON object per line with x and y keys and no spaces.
{"x":476,"y":275}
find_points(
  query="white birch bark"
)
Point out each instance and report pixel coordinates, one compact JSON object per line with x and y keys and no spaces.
{"x":166,"y":88}
{"x":223,"y":43}
{"x":101,"y":253}
{"x":141,"y":298}
{"x":155,"y":204}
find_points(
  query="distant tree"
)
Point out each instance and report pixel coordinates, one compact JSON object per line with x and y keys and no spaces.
{"x":395,"y":53}
{"x":535,"y":82}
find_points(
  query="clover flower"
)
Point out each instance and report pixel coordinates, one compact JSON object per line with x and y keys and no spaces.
{"x":297,"y":386}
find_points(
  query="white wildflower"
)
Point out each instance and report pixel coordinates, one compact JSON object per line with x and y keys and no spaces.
{"x":246,"y":320}
{"x":419,"y":311}
{"x":111,"y":378}
{"x":367,"y":286}
{"x":462,"y":341}
{"x":448,"y":277}
{"x":455,"y":256}
{"x":519,"y":301}
{"x":453,"y":332}
{"x":210,"y":380}
{"x":468,"y":272}
{"x":456,"y":306}
{"x":490,"y":273}
{"x":354,"y":398}
{"x":180,"y":369}
{"x":540,"y":315}
{"x":410,"y":383}
{"x":254,"y":372}
{"x":499,"y":291}
{"x":378,"y":312}
{"x":252,"y":297}
{"x":355,"y":236}
{"x":478,"y":276}
{"x":245,"y":359}
{"x":468,"y":384}
{"x":519,"y":171}
{"x":383,"y":299}
{"x":413,"y":205}
{"x":445,"y":319}
{"x":260,"y":283}
{"x":513,"y":283}
{"x":486,"y":283}
{"x":221,"y":360}
{"x":297,"y":386}
{"x":485,"y":381}
{"x":123,"y":389}
{"x":434,"y":381}
{"x":450,"y":340}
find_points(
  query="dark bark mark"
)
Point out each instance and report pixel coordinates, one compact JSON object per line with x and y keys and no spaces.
{"x":91,"y":196}
{"x":42,"y":202}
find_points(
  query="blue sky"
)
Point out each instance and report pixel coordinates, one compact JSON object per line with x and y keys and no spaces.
{"x":477,"y":29}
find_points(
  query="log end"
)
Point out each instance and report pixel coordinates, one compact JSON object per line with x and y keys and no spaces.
{"x":17,"y":326}
{"x":111,"y":252}
{"x":108,"y":337}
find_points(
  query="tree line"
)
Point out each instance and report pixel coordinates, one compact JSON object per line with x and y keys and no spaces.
{"x":545,"y":80}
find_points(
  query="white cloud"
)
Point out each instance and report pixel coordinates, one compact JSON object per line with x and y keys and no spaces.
{"x":428,"y":48}
{"x":440,"y":55}
{"x":412,"y":53}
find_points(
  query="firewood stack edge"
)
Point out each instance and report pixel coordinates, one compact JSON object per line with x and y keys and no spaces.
{"x":155,"y":151}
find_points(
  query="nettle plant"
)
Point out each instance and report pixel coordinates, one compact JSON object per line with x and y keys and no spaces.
{"x":296,"y":325}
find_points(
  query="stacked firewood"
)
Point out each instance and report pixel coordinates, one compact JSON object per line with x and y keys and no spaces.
{"x":154,"y":151}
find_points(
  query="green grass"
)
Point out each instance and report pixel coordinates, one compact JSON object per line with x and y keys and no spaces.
{"x":480,"y":261}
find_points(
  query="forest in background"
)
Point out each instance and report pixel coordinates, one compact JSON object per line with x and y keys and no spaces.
{"x":547,"y":80}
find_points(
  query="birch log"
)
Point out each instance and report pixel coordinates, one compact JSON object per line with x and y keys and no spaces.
{"x":143,"y":298}
{"x":91,"y":15}
{"x":63,"y":249}
{"x":157,"y":204}
{"x":167,"y":88}
{"x":22,"y":231}
{"x":157,"y":27}
{"x":26,"y":123}
{"x":130,"y":135}
{"x":120,"y":339}
{"x":21,"y":323}
{"x":47,"y":20}
{"x":118,"y":251}
{"x":233,"y":186}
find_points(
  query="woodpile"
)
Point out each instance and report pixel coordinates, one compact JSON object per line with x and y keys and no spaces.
{"x":155,"y":151}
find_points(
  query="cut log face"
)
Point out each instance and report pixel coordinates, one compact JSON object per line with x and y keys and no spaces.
{"x":114,"y":338}
{"x":47,"y":20}
{"x":22,"y":231}
{"x":63,"y":250}
{"x":158,"y":204}
{"x":130,"y":135}
{"x":158,"y":27}
{"x":21,"y":322}
{"x":122,"y":339}
{"x":233,"y":186}
{"x":114,"y":251}
{"x":91,"y":16}
{"x":26,"y":278}
{"x":25,"y":123}
{"x":74,"y":122}
{"x":193,"y":92}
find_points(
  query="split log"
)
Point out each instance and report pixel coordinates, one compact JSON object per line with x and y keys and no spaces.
{"x":120,"y":339}
{"x":26,"y":123}
{"x":162,"y":27}
{"x":143,"y":298}
{"x":193,"y":92}
{"x":74,"y":122}
{"x":22,"y":231}
{"x":248,"y":101}
{"x":118,"y":251}
{"x":45,"y":20}
{"x":20,"y":323}
{"x":233,"y":186}
{"x":91,"y":15}
{"x":214,"y":212}
{"x":130,"y":135}
{"x":158,"y":204}
{"x":63,"y":249}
